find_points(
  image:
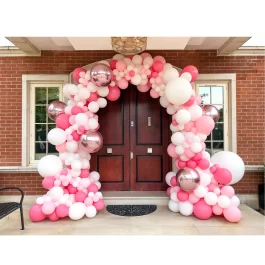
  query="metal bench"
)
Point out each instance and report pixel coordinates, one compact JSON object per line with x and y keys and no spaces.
{"x":7,"y":208}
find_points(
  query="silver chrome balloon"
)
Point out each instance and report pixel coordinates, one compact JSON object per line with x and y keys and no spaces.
{"x":55,"y":108}
{"x":101,"y":74}
{"x":188,"y":179}
{"x":91,"y":141}
{"x":211,"y":111}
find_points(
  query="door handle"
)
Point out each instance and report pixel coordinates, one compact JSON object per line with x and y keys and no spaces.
{"x":149,"y":121}
{"x":131,"y":155}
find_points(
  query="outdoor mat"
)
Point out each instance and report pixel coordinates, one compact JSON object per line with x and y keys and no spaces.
{"x":131,"y":210}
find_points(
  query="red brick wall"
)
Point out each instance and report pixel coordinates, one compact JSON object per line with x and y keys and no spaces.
{"x":250,"y":103}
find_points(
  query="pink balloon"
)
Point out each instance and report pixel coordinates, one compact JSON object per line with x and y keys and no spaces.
{"x":189,"y":102}
{"x":92,"y":188}
{"x":192,"y":70}
{"x":84,"y":173}
{"x":93,"y":97}
{"x":121,"y":65}
{"x":61,"y":148}
{"x":171,"y":150}
{"x":114,"y":93}
{"x":211,"y":187}
{"x":183,"y":196}
{"x":159,"y":59}
{"x":71,"y":189}
{"x":48,"y":208}
{"x":123,"y":83}
{"x":76,"y":73}
{"x":222,"y":176}
{"x":228,"y":191}
{"x":145,"y":55}
{"x":197,"y":157}
{"x":205,"y":125}
{"x":232,"y":214}
{"x":62,"y":121}
{"x":202,"y":210}
{"x":181,"y":164}
{"x":80,"y":196}
{"x":112,"y":64}
{"x":48,"y":182}
{"x":88,"y":201}
{"x":154,"y":74}
{"x":154,"y":94}
{"x":189,"y":153}
{"x":53,"y":217}
{"x":75,"y":110}
{"x":203,"y":163}
{"x":212,"y":169}
{"x":143,"y":88}
{"x":217,"y":210}
{"x":158,"y":66}
{"x":173,"y":181}
{"x":99,"y":205}
{"x":193,"y":198}
{"x":168,"y":191}
{"x":198,"y":99}
{"x":188,"y":126}
{"x":64,"y":172}
{"x":36,"y":214}
{"x":175,"y":123}
{"x":191,"y":164}
{"x":75,"y":136}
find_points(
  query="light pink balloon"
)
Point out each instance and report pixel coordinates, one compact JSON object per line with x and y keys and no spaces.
{"x":171,"y":151}
{"x":228,"y":191}
{"x":232,"y":214}
{"x":205,"y":125}
{"x":121,"y":65}
{"x":154,"y":94}
{"x":217,"y":210}
{"x":61,"y":148}
{"x":99,"y":205}
{"x":88,"y":201}
{"x":123,"y":83}
{"x":188,"y":126}
{"x":48,"y":182}
{"x":143,"y":88}
{"x":145,"y":55}
{"x":188,"y":153}
{"x":160,"y":59}
{"x":48,"y":208}
{"x":198,"y":99}
{"x":193,"y":198}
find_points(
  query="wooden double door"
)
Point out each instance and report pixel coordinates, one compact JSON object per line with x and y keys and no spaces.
{"x":136,"y":135}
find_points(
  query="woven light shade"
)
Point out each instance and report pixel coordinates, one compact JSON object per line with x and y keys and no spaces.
{"x":129,"y":45}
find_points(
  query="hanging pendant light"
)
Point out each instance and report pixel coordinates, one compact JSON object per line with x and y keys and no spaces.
{"x":129,"y":45}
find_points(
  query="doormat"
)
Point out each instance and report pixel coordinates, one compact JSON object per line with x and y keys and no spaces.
{"x":131,"y":210}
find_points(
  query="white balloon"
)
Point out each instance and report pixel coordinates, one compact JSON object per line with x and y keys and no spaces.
{"x":177,"y":138}
{"x":164,"y":102}
{"x":205,"y":179}
{"x":128,"y":61}
{"x":102,"y":102}
{"x":235,"y":201}
{"x":85,"y":163}
{"x":77,"y":211}
{"x":98,"y":184}
{"x":94,"y":175}
{"x":92,"y":123}
{"x":232,"y":162}
{"x":72,"y":89}
{"x":91,"y":211}
{"x":195,"y":112}
{"x":224,"y":201}
{"x":178,"y":91}
{"x":103,"y":91}
{"x":186,"y":76}
{"x":206,"y":155}
{"x":196,"y":147}
{"x":184,"y":158}
{"x":81,"y":119}
{"x":202,"y":137}
{"x":56,"y":193}
{"x":137,"y":59}
{"x":91,"y":87}
{"x":200,"y":191}
{"x":183,"y":116}
{"x":71,"y":146}
{"x":170,"y":110}
{"x":168,"y":177}
{"x":173,"y":206}
{"x":104,"y":62}
{"x":76,"y":165}
{"x":93,"y":107}
{"x":173,"y":128}
{"x":56,"y":136}
{"x":148,"y":61}
{"x":136,"y":80}
{"x":170,"y":74}
{"x":173,"y":197}
{"x":85,"y":182}
{"x":179,"y":150}
{"x":83,"y":93}
{"x":66,"y":91}
{"x":210,"y":198}
{"x":186,"y":208}
{"x":118,"y":57}
{"x":49,"y":165}
{"x":217,"y":191}
{"x":40,"y":200}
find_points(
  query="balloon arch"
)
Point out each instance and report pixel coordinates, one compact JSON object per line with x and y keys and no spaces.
{"x":201,"y":185}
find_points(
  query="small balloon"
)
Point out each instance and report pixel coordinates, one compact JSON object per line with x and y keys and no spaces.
{"x":211,"y":111}
{"x":91,"y":141}
{"x":55,"y":108}
{"x":101,"y":74}
{"x":188,"y":179}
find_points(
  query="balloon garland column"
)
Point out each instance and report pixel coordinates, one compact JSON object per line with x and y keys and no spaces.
{"x":200,"y":187}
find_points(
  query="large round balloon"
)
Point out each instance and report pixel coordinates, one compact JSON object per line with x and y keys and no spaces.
{"x":188,"y":179}
{"x":101,"y":74}
{"x":211,"y":111}
{"x":232,"y":162}
{"x":49,"y":165}
{"x":55,"y":108}
{"x":91,"y":141}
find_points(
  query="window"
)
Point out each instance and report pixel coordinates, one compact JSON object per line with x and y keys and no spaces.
{"x":37,"y":92}
{"x":214,"y":93}
{"x":42,"y":94}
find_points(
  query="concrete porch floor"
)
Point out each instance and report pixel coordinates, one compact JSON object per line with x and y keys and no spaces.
{"x":161,"y":222}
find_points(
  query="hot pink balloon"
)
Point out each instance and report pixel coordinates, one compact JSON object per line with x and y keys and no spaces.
{"x":183,"y":196}
{"x":158,"y":66}
{"x":101,"y":74}
{"x":232,"y":214}
{"x":112,"y":64}
{"x":76,"y":136}
{"x":192,"y":70}
{"x":99,"y":205}
{"x":92,"y":188}
{"x":222,"y":176}
{"x":55,"y":109}
{"x":203,"y":163}
{"x":171,"y":150}
{"x":181,"y":164}
{"x":48,"y":182}
{"x":84,"y":173}
{"x":93,"y":97}
{"x":76,"y":73}
{"x":173,"y":181}
{"x":143,"y":88}
{"x":197,"y":157}
{"x":114,"y":93}
{"x":62,"y":121}
{"x":91,"y":141}
{"x":71,"y":189}
{"x":80,"y":196}
{"x":168,"y":191}
{"x":53,"y":217}
{"x":36,"y":214}
{"x":202,"y":210}
{"x":154,"y":94}
{"x":76,"y":109}
{"x":205,"y":125}
{"x":189,"y":102}
{"x":191,"y":164}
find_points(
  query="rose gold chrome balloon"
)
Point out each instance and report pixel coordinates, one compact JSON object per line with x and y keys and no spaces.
{"x":188,"y":179}
{"x":101,"y":74}
{"x":211,"y":111}
{"x":55,"y":108}
{"x":91,"y":141}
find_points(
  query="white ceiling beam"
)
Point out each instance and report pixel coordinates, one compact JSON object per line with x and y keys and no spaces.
{"x":24,"y":45}
{"x":231,"y":45}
